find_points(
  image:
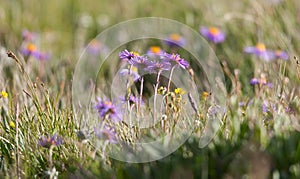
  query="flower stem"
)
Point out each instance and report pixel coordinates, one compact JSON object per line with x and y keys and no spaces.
{"x":168,"y":87}
{"x":50,"y":156}
{"x":155,"y":96}
{"x":128,"y":89}
{"x":141,"y":95}
{"x":170,"y":79}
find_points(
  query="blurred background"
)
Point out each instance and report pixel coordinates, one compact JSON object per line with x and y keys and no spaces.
{"x":246,"y":147}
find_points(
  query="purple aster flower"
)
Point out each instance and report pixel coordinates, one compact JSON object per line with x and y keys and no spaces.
{"x":47,"y":142}
{"x":130,"y":73}
{"x":106,"y":108}
{"x":261,"y":81}
{"x":30,"y":49}
{"x":158,"y":67}
{"x":260,"y":51}
{"x":254,"y":81}
{"x":106,"y":133}
{"x":126,"y":55}
{"x":175,"y":59}
{"x":213,"y":34}
{"x":94,"y":47}
{"x":279,"y":54}
{"x":155,"y":51}
{"x":140,"y":62}
{"x":175,"y":40}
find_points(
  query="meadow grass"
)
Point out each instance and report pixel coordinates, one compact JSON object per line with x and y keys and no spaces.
{"x":260,"y":134}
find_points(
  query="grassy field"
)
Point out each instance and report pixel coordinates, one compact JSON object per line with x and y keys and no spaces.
{"x":41,"y":134}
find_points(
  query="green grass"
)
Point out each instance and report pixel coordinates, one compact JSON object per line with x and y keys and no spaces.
{"x":249,"y":144}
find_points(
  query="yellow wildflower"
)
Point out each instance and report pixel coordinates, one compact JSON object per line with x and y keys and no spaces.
{"x":4,"y":94}
{"x":205,"y":95}
{"x":179,"y":91}
{"x":12,"y":124}
{"x":162,"y":90}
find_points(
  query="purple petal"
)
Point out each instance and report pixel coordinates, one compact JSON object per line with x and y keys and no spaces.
{"x":250,"y":50}
{"x":254,"y":81}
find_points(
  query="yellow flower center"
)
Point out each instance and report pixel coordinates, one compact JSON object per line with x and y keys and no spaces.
{"x":135,"y":53}
{"x":31,"y":47}
{"x":261,"y":47}
{"x":278,"y":52}
{"x":107,"y":102}
{"x":155,"y":49}
{"x":204,"y":95}
{"x":175,"y":37}
{"x":214,"y":31}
